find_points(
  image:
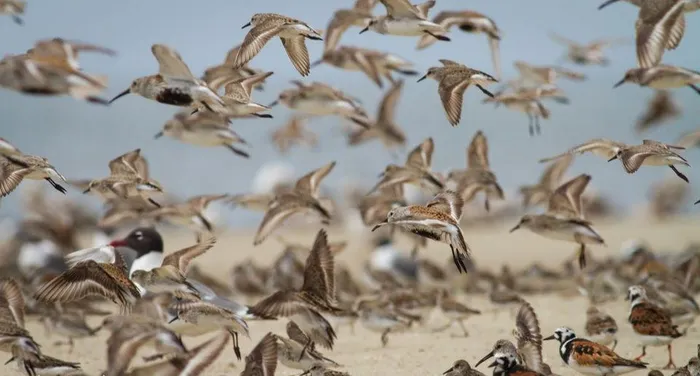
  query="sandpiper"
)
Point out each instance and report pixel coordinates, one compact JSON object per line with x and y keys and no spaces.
{"x":342,"y":20}
{"x":528,"y":102}
{"x":64,"y":54}
{"x":471,"y":22}
{"x":374,"y":64}
{"x":437,"y":220}
{"x":320,"y":99}
{"x":548,"y":182}
{"x":599,"y":146}
{"x":121,"y":349}
{"x":204,"y":128}
{"x":14,"y":8}
{"x":292,"y":133}
{"x":262,"y":360}
{"x":415,"y":171}
{"x":189,"y":213}
{"x":601,"y":327}
{"x":217,"y":75}
{"x":174,"y":84}
{"x":478,"y":175}
{"x":454,"y":311}
{"x":590,"y":358}
{"x":316,"y":294}
{"x":68,"y":324}
{"x":295,"y":351}
{"x":652,"y":324}
{"x":374,"y":208}
{"x":564,"y":218}
{"x":462,"y":368}
{"x":381,"y":319}
{"x":171,"y":274}
{"x":15,"y":168}
{"x":91,"y":278}
{"x":320,"y":370}
{"x":454,"y":78}
{"x":660,"y":109}
{"x":292,"y":32}
{"x":238,"y":99}
{"x":384,"y":127}
{"x":304,"y":197}
{"x":590,"y":53}
{"x":49,"y":366}
{"x":651,"y":153}
{"x":406,"y":19}
{"x":207,"y":317}
{"x":662,"y":77}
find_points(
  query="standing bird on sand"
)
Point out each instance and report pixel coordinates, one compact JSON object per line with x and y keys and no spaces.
{"x":291,"y":31}
{"x":470,"y":22}
{"x":174,"y":84}
{"x":454,"y":78}
{"x":437,"y":220}
{"x":564,"y":219}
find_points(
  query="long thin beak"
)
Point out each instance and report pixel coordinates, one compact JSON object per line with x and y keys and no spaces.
{"x":10,"y":361}
{"x":489,"y":355}
{"x":158,"y":135}
{"x":448,"y":371}
{"x":696,"y":202}
{"x":363,"y":30}
{"x":515,"y":228}
{"x":622,"y":81}
{"x":495,"y":363}
{"x":317,"y":62}
{"x":246,"y":25}
{"x":605,"y":4}
{"x":123,"y":93}
{"x":380,"y":224}
{"x":173,"y":319}
{"x":86,"y":191}
{"x":549,"y":338}
{"x":422,"y":78}
{"x":273,"y":104}
{"x":613,"y":158}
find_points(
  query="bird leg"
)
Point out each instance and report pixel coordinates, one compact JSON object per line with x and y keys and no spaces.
{"x":304,"y":349}
{"x":490,"y":94}
{"x":385,"y":337}
{"x":680,"y":174}
{"x":487,"y":206}
{"x":537,"y":125}
{"x":697,"y":89}
{"x":152,"y":201}
{"x":670,"y":364}
{"x":443,"y":328}
{"x":582,"y":256}
{"x":56,"y":186}
{"x":529,"y":125}
{"x":644,"y":353}
{"x":236,"y":347}
{"x":461,"y":325}
{"x":438,"y":37}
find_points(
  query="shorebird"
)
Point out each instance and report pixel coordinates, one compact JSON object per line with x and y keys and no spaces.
{"x":90,"y":278}
{"x":526,"y":101}
{"x":48,"y":366}
{"x":68,"y":324}
{"x":292,"y":133}
{"x":462,"y":368}
{"x":319,"y":370}
{"x":590,"y":358}
{"x":174,"y":84}
{"x":651,"y":323}
{"x":564,"y":219}
{"x":320,"y":99}
{"x":63,"y":53}
{"x":478,"y":175}
{"x":206,"y":316}
{"x":360,"y":16}
{"x":689,"y":139}
{"x":377,"y":317}
{"x":545,"y":75}
{"x":170,"y":275}
{"x":662,"y":77}
{"x":454,"y":78}
{"x":217,"y":75}
{"x":454,"y":311}
{"x":374,"y":64}
{"x":601,"y":327}
{"x":651,"y":153}
{"x":291,"y":31}
{"x":507,"y":365}
{"x":203,"y":128}
{"x":415,"y":171}
{"x":599,"y":146}
{"x":384,"y":127}
{"x":295,"y":351}
{"x":471,"y":22}
{"x":590,"y":53}
{"x":15,"y":168}
{"x":406,"y":19}
{"x":659,"y":26}
{"x":262,"y":360}
{"x":14,"y":8}
{"x":189,"y":213}
{"x":317,"y":294}
{"x":302,"y":198}
{"x":437,"y":220}
{"x":660,"y":109}
{"x":237,"y":97}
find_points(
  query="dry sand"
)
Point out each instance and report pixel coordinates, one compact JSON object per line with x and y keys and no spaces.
{"x":421,"y":352}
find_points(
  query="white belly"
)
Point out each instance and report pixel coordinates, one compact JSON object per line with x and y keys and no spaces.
{"x":406,"y":27}
{"x":603,"y":338}
{"x":672,"y":82}
{"x":657,"y":160}
{"x":203,"y":138}
{"x":37,"y":175}
{"x":654,"y":340}
{"x":569,"y":234}
{"x":244,"y":108}
{"x":147,"y":262}
{"x":601,"y":370}
{"x":322,"y":107}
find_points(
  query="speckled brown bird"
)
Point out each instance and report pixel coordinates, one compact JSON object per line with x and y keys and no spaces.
{"x":601,"y":327}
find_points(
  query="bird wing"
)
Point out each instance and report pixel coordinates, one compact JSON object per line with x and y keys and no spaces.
{"x":11,"y":298}
{"x":181,"y":259}
{"x":82,"y":280}
{"x":281,"y":208}
{"x":655,"y":29}
{"x":451,"y":90}
{"x":387,"y":107}
{"x":254,"y":41}
{"x":448,"y":202}
{"x":262,"y":360}
{"x":309,"y":183}
{"x":131,"y":163}
{"x":401,"y":8}
{"x":170,"y":63}
{"x":478,"y":152}
{"x":101,"y":254}
{"x":529,"y":337}
{"x":566,"y":200}
{"x":11,"y":174}
{"x":298,"y":53}
{"x":319,"y":275}
{"x":589,"y":146}
{"x":421,"y":156}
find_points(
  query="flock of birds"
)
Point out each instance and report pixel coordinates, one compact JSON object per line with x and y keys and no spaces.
{"x":162,"y":299}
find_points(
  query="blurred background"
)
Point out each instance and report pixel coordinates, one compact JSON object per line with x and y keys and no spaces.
{"x":79,"y":138}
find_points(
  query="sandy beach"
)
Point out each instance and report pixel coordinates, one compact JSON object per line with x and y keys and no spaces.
{"x":420,"y":351}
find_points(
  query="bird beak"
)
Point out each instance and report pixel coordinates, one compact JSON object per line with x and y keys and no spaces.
{"x":123,"y":93}
{"x":317,"y":62}
{"x":422,"y":78}
{"x":380,"y":224}
{"x":273,"y":104}
{"x":622,"y":81}
{"x":605,"y":4}
{"x":515,"y":228}
{"x":10,"y":361}
{"x":246,"y":25}
{"x":489,"y":355}
{"x":87,"y":190}
{"x":448,"y":371}
{"x":495,"y":363}
{"x":173,"y":319}
{"x":549,"y":338}
{"x":613,"y":158}
{"x":158,"y":135}
{"x":119,"y":243}
{"x":363,"y":30}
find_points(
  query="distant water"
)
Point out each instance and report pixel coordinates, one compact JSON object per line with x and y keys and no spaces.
{"x":80,"y":138}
